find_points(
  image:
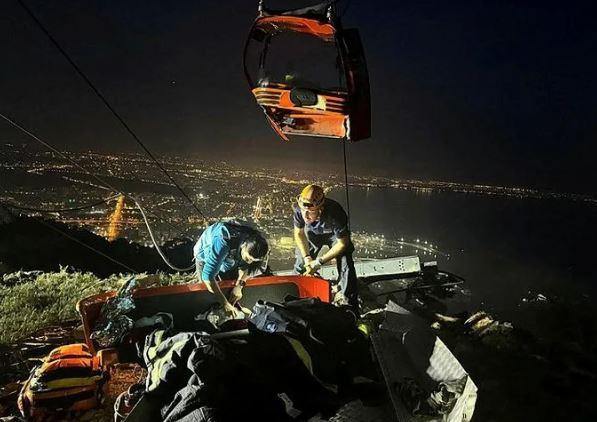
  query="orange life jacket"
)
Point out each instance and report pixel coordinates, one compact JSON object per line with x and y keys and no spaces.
{"x":69,"y":379}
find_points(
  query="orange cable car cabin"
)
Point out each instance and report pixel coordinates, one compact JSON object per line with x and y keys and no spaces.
{"x":308,"y":74}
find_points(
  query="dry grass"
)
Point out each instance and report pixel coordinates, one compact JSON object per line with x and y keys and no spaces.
{"x":29,"y":302}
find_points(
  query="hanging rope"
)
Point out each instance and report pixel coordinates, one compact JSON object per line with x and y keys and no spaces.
{"x":108,"y":105}
{"x":346,"y":182}
{"x":157,"y":247}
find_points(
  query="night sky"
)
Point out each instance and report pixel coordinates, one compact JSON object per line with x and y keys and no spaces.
{"x":498,"y":92}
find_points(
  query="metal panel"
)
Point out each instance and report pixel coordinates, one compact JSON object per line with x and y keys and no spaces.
{"x":373,"y":268}
{"x":405,"y":348}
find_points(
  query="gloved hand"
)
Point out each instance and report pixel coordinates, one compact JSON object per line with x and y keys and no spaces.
{"x":313,"y":266}
{"x":236,"y":294}
{"x":232,"y":311}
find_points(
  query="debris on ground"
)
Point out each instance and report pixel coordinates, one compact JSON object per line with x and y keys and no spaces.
{"x":114,"y":322}
{"x":17,"y":359}
{"x":532,"y":297}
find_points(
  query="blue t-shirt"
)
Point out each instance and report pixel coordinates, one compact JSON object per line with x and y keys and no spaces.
{"x":332,"y":222}
{"x":216,"y":251}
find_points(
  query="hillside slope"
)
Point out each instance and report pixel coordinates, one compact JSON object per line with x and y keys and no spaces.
{"x":34,"y":244}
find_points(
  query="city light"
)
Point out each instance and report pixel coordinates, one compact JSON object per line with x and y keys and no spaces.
{"x":263,"y":197}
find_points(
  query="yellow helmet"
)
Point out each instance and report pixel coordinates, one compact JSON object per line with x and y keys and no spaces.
{"x":311,"y":196}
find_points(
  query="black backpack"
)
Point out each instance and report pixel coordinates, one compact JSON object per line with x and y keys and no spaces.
{"x":306,"y":319}
{"x":328,"y":333}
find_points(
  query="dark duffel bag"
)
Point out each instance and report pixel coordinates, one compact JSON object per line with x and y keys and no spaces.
{"x":303,"y":319}
{"x":275,"y":318}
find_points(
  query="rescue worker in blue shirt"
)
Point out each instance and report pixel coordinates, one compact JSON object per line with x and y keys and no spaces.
{"x":320,"y":221}
{"x":228,"y":251}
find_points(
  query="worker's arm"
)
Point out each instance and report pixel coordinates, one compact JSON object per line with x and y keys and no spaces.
{"x":214,"y":288}
{"x":243,"y":276}
{"x":300,"y":239}
{"x":213,"y":261}
{"x":237,"y":291}
{"x":342,"y":234}
{"x":337,"y":249}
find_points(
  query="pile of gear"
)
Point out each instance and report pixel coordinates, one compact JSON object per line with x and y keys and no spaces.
{"x":289,"y":361}
{"x":292,"y":361}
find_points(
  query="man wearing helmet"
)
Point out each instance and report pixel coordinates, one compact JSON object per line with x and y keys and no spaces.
{"x":320,"y":221}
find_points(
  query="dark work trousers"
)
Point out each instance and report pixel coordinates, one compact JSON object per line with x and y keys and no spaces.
{"x":347,"y":275}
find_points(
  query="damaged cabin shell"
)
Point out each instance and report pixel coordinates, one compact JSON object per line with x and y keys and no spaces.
{"x":308,"y":74}
{"x":185,"y":301}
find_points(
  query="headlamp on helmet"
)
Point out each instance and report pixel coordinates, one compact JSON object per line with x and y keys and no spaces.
{"x":311,"y":197}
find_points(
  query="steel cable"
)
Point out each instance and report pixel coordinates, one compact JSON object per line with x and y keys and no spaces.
{"x":108,"y":105}
{"x":83,"y":207}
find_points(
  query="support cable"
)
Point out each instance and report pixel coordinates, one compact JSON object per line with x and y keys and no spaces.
{"x":74,"y":239}
{"x":108,"y":105}
{"x":346,"y":7}
{"x":346,"y":182}
{"x":45,"y":211}
{"x":103,"y":184}
{"x":149,"y":229}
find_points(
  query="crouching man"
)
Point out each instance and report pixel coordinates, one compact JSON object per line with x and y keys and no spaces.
{"x":229,"y":251}
{"x":320,"y":221}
